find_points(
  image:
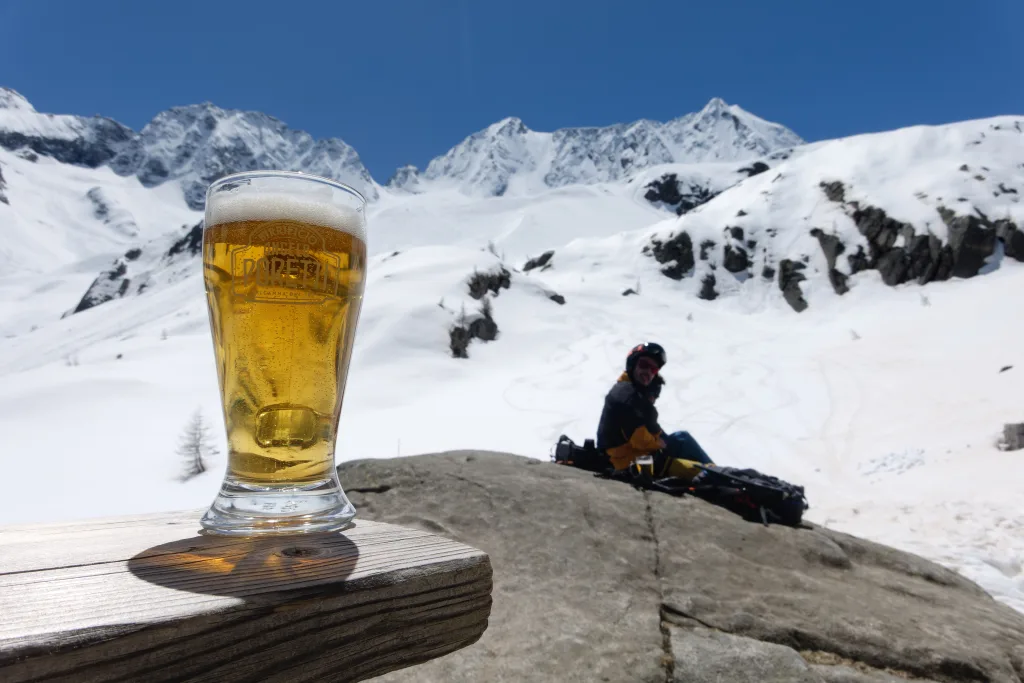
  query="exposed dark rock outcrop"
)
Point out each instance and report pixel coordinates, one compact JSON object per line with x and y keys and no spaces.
{"x":677,"y":195}
{"x":1012,"y":237}
{"x":557,"y":298}
{"x":902,"y":255}
{"x":1013,"y":437}
{"x":191,"y":243}
{"x":790,"y":278}
{"x":110,"y":284}
{"x":543,"y":262}
{"x":102,"y":140}
{"x":832,"y":247}
{"x":705,"y":248}
{"x":3,"y":186}
{"x":676,"y":253}
{"x":734,"y":255}
{"x":972,"y":240}
{"x":707,"y":288}
{"x":835,"y":191}
{"x":735,"y":259}
{"x":480,"y":326}
{"x":754,"y":169}
{"x":675,"y":589}
{"x":493,"y":281}
{"x":118,"y":281}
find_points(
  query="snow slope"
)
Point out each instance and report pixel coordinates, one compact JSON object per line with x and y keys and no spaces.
{"x":885,"y":401}
{"x":54,"y":217}
{"x":892,"y":201}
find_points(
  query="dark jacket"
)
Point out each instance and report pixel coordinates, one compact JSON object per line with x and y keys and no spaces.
{"x":629,"y":424}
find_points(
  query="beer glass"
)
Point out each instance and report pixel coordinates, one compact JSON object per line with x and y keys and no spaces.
{"x":284,"y":266}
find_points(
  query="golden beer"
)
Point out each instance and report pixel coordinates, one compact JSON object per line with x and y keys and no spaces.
{"x":284,"y":277}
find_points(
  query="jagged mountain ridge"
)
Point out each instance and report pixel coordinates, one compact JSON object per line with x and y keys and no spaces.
{"x":199,"y":143}
{"x":193,"y":145}
{"x":508,"y":156}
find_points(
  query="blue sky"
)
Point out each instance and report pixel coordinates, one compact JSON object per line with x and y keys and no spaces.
{"x":402,"y":81}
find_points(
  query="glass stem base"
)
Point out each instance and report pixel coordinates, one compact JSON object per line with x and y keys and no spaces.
{"x":242,"y":509}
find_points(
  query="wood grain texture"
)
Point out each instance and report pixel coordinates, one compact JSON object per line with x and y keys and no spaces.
{"x":150,"y":599}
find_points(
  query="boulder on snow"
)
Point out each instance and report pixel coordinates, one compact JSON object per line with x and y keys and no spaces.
{"x":675,"y":253}
{"x":790,"y":278}
{"x":679,"y":196}
{"x":754,"y":169}
{"x":1013,"y":437}
{"x":493,"y":281}
{"x":467,"y":327}
{"x":972,"y":241}
{"x":734,"y":255}
{"x":707,"y":288}
{"x":832,"y":247}
{"x":543,"y":262}
{"x":594,"y":581}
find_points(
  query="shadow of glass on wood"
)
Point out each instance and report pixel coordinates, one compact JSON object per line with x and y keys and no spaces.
{"x":247,"y":567}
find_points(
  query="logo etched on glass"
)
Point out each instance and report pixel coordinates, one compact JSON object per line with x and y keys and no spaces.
{"x":286,"y":263}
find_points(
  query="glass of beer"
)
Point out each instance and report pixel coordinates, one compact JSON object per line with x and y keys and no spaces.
{"x":284,"y":266}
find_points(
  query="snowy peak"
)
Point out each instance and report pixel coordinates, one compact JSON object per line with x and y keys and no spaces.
{"x":12,"y":99}
{"x":723,"y":132}
{"x":485,"y":162}
{"x":78,"y":140}
{"x":193,"y":145}
{"x":406,"y":178}
{"x":509,"y":156}
{"x":199,"y":143}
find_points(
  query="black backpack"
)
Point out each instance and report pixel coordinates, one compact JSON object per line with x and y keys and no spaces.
{"x":586,"y":457}
{"x":753,"y":495}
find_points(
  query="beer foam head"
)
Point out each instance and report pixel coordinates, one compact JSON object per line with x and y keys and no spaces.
{"x":314,"y":207}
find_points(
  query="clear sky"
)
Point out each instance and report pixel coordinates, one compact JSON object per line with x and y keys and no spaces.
{"x":403,"y":80}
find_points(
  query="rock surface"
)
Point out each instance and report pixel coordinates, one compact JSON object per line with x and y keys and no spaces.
{"x":595,"y":581}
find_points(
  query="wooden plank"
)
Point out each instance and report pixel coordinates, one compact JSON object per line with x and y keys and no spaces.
{"x":149,"y":598}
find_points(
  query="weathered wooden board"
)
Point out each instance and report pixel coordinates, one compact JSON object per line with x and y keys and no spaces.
{"x":150,"y":598}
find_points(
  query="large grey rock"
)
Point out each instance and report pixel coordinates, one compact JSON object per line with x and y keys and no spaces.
{"x":818,"y":590}
{"x":846,"y":674}
{"x":676,"y":253}
{"x":701,"y":655}
{"x":575,"y":597}
{"x":595,"y":581}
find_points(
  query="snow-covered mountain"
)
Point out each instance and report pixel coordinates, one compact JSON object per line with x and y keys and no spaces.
{"x":197,"y":144}
{"x":837,"y":313}
{"x":193,"y":145}
{"x":509,"y":157}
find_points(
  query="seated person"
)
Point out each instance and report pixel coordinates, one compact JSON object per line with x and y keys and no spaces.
{"x":629,"y":422}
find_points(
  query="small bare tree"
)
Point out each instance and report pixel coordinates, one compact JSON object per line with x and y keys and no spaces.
{"x":196,"y":447}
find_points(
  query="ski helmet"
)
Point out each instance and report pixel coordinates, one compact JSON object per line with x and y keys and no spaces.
{"x":649,"y":349}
